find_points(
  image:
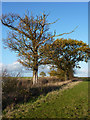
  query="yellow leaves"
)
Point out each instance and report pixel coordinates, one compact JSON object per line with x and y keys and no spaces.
{"x":9,"y":44}
{"x":50,"y":46}
{"x":21,"y":21}
{"x":23,"y":53}
{"x":19,"y":54}
{"x":68,"y":47}
{"x":53,"y":52}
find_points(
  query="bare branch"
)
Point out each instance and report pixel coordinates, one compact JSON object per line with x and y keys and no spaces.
{"x":54,"y":36}
{"x":42,"y":25}
{"x":52,"y":22}
{"x":26,"y":64}
{"x":16,"y":29}
{"x":27,"y":24}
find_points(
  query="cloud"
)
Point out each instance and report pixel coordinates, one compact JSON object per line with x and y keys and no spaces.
{"x":44,"y":68}
{"x":1,"y":68}
{"x":16,"y":67}
{"x":82,"y":72}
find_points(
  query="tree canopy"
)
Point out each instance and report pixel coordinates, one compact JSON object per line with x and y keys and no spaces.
{"x":26,"y":36}
{"x":65,"y":53}
{"x":43,"y":74}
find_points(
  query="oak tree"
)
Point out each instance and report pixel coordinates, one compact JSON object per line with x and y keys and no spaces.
{"x":54,"y":71}
{"x":65,"y":54}
{"x":27,"y":33}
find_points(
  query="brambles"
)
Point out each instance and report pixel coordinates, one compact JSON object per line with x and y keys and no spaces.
{"x":15,"y":91}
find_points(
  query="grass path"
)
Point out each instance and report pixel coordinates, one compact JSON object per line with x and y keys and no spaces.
{"x":69,"y":102}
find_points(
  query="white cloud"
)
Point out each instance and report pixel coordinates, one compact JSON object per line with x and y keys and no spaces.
{"x":14,"y":68}
{"x":1,"y":68}
{"x":17,"y":67}
{"x":83,"y":71}
{"x":11,"y":68}
{"x":44,"y":68}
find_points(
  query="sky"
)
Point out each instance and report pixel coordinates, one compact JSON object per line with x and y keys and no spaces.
{"x":70,"y":14}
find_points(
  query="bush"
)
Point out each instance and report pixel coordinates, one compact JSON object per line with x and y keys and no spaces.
{"x":12,"y":92}
{"x":15,"y":90}
{"x":53,"y":79}
{"x":9,"y":84}
{"x":45,"y":80}
{"x":42,"y":74}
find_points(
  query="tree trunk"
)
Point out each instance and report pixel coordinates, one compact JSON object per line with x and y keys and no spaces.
{"x":35,"y":71}
{"x":71,"y":73}
{"x":35,"y":76}
{"x":66,"y":76}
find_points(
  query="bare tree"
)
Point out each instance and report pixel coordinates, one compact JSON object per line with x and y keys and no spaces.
{"x":27,"y":34}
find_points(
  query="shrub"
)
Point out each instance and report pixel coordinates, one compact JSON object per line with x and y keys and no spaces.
{"x":43,"y":74}
{"x":45,"y":80}
{"x":12,"y":92}
{"x":9,"y":84}
{"x":15,"y":90}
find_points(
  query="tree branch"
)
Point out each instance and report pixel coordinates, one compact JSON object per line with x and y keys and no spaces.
{"x":54,"y":36}
{"x":16,"y":29}
{"x":27,"y":24}
{"x":52,"y":22}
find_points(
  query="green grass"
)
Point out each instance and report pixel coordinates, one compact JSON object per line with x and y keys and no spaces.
{"x":70,"y":103}
{"x":25,"y":77}
{"x":84,"y":78}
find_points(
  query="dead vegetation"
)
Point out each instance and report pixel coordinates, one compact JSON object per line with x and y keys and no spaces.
{"x":16,"y":90}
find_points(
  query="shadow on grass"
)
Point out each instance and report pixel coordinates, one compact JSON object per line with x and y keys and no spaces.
{"x":32,"y":94}
{"x":84,"y":78}
{"x":43,"y":90}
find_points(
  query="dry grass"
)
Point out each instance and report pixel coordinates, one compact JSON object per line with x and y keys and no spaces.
{"x":23,"y":90}
{"x":71,"y":103}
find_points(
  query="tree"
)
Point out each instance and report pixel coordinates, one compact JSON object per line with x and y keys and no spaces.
{"x":43,"y":74}
{"x":65,"y":54}
{"x":61,"y":74}
{"x":25,"y":37}
{"x":52,"y":73}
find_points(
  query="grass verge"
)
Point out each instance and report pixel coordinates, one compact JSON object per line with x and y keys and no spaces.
{"x":66,"y":103}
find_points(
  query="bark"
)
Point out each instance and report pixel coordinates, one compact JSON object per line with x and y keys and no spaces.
{"x":35,"y":70}
{"x":35,"y":76}
{"x":66,"y":76}
{"x":71,"y":73}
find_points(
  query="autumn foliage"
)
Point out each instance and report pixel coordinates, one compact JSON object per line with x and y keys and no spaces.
{"x":27,"y":34}
{"x":65,"y":54}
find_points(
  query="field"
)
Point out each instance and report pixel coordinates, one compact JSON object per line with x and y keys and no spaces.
{"x":70,"y":101}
